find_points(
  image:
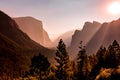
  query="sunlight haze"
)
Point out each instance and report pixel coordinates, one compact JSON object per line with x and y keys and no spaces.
{"x":59,"y":16}
{"x":114,"y":8}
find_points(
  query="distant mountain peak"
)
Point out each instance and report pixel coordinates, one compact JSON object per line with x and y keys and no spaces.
{"x":94,"y":22}
{"x":29,"y":17}
{"x":66,"y":37}
{"x":88,"y":31}
{"x":34,"y":29}
{"x":77,"y":31}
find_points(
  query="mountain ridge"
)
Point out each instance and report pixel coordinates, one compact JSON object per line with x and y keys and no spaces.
{"x":84,"y":35}
{"x":108,"y":32}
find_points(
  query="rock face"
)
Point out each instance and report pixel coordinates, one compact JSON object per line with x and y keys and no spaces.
{"x":34,"y":29}
{"x":104,"y":36}
{"x":66,"y":37}
{"x":84,"y":35}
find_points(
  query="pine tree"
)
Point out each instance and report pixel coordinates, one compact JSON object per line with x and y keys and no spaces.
{"x":115,"y":44}
{"x":39,"y":65}
{"x":110,"y":56}
{"x":117,"y":51}
{"x":63,"y":62}
{"x":81,"y":62}
{"x":100,"y":63}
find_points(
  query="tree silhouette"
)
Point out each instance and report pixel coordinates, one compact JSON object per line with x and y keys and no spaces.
{"x":39,"y":65}
{"x":110,"y":58}
{"x":100,"y":62}
{"x":63,"y":62}
{"x":81,"y":62}
{"x":117,"y":51}
{"x":115,"y":44}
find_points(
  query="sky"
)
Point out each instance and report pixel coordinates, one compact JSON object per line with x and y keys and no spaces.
{"x":59,"y":16}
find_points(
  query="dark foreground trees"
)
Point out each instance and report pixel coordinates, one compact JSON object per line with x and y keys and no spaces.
{"x":100,"y":63}
{"x":104,"y":65}
{"x":39,"y":66}
{"x":107,"y":64}
{"x":91,"y":67}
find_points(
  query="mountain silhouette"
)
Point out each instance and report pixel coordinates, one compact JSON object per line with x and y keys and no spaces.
{"x":108,"y":32}
{"x":84,"y":35}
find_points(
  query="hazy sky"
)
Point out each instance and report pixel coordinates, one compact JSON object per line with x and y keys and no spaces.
{"x":59,"y":16}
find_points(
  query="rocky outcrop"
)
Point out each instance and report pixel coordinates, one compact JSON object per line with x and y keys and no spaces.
{"x":84,"y":35}
{"x":34,"y":29}
{"x":104,"y":36}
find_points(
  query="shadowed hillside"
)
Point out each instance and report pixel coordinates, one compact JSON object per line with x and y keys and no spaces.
{"x":16,"y":48}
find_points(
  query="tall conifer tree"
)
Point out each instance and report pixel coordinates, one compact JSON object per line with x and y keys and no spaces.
{"x":63,"y":62}
{"x":81,"y":61}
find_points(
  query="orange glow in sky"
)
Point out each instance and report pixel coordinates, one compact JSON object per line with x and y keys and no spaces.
{"x":114,"y":8}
